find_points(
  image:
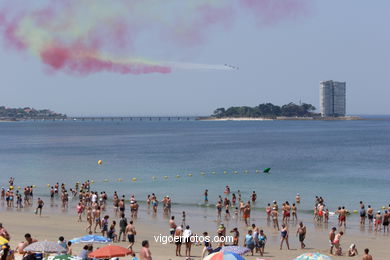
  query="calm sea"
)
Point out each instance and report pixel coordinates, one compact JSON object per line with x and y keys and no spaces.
{"x":343,"y":161}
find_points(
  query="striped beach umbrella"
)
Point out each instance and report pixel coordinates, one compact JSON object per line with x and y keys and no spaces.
{"x":239,"y":250}
{"x":223,"y":255}
{"x":313,"y":256}
{"x":90,"y":239}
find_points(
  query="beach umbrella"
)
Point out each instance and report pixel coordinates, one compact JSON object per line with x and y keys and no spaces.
{"x":239,"y":250}
{"x":45,"y":247}
{"x":110,"y":251}
{"x":90,"y":239}
{"x":222,"y":255}
{"x":313,"y":256}
{"x":3,"y":241}
{"x":63,"y":257}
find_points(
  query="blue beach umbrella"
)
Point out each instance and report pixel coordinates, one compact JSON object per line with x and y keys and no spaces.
{"x":313,"y":256}
{"x":91,"y":239}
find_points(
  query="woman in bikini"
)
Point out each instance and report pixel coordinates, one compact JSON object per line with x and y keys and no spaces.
{"x":274,"y":215}
{"x":268,"y":211}
{"x":378,"y":221}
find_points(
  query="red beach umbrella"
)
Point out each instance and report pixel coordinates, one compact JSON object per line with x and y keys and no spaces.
{"x":110,"y":252}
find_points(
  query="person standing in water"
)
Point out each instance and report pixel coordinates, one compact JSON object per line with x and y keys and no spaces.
{"x":254,"y":197}
{"x":298,"y":198}
{"x":206,"y":196}
{"x":294,"y":212}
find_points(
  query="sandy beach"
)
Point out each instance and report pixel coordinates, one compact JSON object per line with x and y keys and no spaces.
{"x":54,"y":223}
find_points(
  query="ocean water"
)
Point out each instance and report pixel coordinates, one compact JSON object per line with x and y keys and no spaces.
{"x":343,"y":161}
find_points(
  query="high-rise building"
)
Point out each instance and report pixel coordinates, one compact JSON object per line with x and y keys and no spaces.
{"x":332,"y":98}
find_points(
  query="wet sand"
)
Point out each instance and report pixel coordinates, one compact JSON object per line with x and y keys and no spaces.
{"x":54,"y":223}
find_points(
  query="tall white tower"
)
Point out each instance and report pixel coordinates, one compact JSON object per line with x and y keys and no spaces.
{"x":332,"y":98}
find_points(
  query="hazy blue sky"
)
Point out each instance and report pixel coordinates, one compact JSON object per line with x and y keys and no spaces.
{"x":346,"y":40}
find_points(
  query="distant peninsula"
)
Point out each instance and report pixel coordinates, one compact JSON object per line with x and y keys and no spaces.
{"x":269,"y":111}
{"x":27,"y":113}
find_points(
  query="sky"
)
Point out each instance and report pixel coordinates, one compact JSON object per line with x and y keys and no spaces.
{"x":279,"y":62}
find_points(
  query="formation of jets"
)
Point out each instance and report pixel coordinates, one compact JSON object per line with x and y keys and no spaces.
{"x":231,"y":67}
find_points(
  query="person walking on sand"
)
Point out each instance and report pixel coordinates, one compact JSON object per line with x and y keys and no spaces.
{"x":105,"y":225}
{"x":247,"y":213}
{"x":187,"y":234}
{"x":284,"y":237}
{"x":262,"y":241}
{"x":145,"y":253}
{"x":80,"y":210}
{"x":332,"y":235}
{"x":172,"y":226}
{"x":40,"y":206}
{"x":130,"y":232}
{"x":122,"y":228}
{"x":178,"y":239}
{"x":98,"y":222}
{"x":301,"y":232}
{"x":248,"y":242}
{"x":366,"y":255}
{"x":337,"y":243}
{"x":274,"y":216}
{"x":89,"y":220}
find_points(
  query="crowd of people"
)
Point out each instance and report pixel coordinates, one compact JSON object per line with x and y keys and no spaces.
{"x":92,"y":208}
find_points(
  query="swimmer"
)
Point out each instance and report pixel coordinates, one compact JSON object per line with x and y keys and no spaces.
{"x":298,"y":198}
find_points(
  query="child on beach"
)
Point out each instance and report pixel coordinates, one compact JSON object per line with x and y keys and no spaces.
{"x":352,"y":251}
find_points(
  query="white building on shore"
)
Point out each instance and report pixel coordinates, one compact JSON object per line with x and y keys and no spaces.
{"x":332,"y":98}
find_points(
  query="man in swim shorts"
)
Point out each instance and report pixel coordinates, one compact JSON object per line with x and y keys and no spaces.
{"x":301,"y":232}
{"x":130,"y":231}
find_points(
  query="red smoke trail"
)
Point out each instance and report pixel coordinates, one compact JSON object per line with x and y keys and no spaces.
{"x":77,"y":60}
{"x":88,"y":36}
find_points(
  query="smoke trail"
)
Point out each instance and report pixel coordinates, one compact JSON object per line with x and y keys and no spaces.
{"x":89,"y":36}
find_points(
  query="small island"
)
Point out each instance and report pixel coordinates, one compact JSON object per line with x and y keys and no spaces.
{"x":27,"y":113}
{"x":269,"y":111}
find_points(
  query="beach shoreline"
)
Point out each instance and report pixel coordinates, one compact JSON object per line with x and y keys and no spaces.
{"x":56,"y":222}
